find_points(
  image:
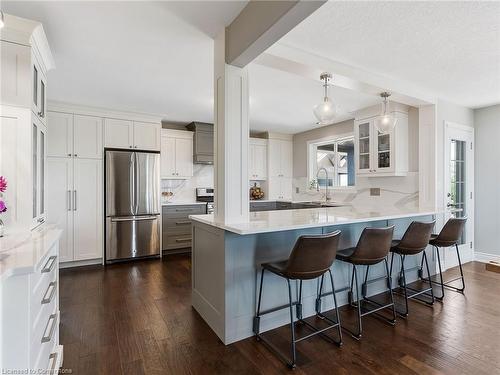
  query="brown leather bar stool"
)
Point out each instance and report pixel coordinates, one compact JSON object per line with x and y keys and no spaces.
{"x":372,"y":248}
{"x":414,"y":241}
{"x":311,"y":257}
{"x":449,"y":236}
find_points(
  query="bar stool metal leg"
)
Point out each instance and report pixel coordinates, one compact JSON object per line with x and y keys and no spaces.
{"x":339,"y":329}
{"x":292,"y":325}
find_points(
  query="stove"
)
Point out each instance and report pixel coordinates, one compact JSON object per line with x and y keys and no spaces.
{"x":206,"y":195}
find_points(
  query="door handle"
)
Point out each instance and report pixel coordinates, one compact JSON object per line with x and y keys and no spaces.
{"x":74,"y":200}
{"x":52,"y":287}
{"x":47,"y":267}
{"x":182,"y":222}
{"x":138,"y":218}
{"x":47,"y":338}
{"x":69,"y":200}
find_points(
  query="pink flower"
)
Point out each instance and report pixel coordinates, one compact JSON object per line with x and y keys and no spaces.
{"x":3,"y":207}
{"x":3,"y":184}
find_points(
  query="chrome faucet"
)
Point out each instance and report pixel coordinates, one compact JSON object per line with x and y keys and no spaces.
{"x":327,"y":197}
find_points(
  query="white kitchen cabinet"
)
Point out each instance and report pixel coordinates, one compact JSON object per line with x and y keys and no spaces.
{"x":176,"y":154}
{"x":381,"y":154}
{"x":147,"y":136}
{"x":257,"y":152}
{"x":280,"y":163}
{"x":130,"y":134}
{"x":15,"y":75}
{"x":60,"y":196}
{"x":38,"y":171}
{"x":75,"y":194}
{"x":74,"y":136}
{"x":87,"y":137}
{"x":118,"y":133}
{"x":87,"y":209}
{"x":39,"y":90}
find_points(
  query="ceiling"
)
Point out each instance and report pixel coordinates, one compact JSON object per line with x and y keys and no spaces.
{"x":157,"y":57}
{"x":449,"y":48}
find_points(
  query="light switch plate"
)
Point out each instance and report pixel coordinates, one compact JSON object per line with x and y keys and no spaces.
{"x":297,"y":190}
{"x":375,"y":192}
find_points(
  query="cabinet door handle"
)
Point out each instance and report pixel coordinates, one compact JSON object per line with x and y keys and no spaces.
{"x":69,"y":155}
{"x":48,"y":299}
{"x":47,"y":267}
{"x":183,"y":222}
{"x":47,"y":338}
{"x":69,"y":200}
{"x":75,"y":155}
{"x":53,"y":357}
{"x":183,"y":240}
{"x":74,"y":200}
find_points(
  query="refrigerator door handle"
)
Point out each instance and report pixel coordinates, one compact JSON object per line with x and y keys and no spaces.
{"x":132,"y":183}
{"x":135,"y":218}
{"x":136,"y":187}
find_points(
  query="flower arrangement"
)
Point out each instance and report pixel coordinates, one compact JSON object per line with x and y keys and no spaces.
{"x":3,"y":206}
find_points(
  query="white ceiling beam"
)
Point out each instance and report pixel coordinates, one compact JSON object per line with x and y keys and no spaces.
{"x":308,"y":65}
{"x":261,"y":24}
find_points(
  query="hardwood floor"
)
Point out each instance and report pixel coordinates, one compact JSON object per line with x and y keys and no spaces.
{"x":136,"y":318}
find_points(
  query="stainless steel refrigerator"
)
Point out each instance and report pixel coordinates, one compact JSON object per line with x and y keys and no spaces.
{"x":132,"y":204}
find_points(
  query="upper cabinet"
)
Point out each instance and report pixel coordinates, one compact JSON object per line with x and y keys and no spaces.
{"x":257,"y":153}
{"x":25,"y":59}
{"x":176,"y":154}
{"x":74,"y":136}
{"x":131,"y":134}
{"x":381,"y":154}
{"x":280,"y":167}
{"x":203,"y":145}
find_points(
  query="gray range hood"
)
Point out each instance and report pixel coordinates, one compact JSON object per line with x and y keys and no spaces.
{"x":203,"y":142}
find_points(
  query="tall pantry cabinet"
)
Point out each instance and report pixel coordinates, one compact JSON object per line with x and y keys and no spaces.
{"x":25,"y":59}
{"x":75,"y":175}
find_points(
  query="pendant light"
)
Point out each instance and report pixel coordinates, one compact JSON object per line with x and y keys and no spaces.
{"x":2,"y":22}
{"x":326,"y":111}
{"x":386,"y":121}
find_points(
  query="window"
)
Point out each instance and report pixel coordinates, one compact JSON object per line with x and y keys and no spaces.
{"x":333,"y":158}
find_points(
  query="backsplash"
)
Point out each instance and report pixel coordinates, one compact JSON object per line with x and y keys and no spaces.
{"x":394,"y":191}
{"x":185,"y":190}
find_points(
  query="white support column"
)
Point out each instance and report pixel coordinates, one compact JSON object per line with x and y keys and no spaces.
{"x":231,"y":138}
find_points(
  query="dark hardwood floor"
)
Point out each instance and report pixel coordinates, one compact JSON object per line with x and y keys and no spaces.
{"x":136,"y":318}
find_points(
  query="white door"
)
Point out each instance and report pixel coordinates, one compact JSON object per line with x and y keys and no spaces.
{"x":364,"y":147}
{"x":167,"y":157}
{"x":383,"y":154}
{"x":183,"y":157}
{"x":274,"y":157}
{"x":87,"y":137}
{"x":87,"y":209}
{"x":60,"y":142}
{"x":118,"y":133}
{"x":251,"y":162}
{"x":286,"y":157}
{"x":147,"y":136}
{"x":60,"y":196}
{"x":274,"y":188}
{"x":286,"y":188}
{"x":458,"y":187}
{"x":259,"y":156}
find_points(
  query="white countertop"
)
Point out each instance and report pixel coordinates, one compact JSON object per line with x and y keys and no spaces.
{"x":21,"y":252}
{"x":276,"y":221}
{"x":181,"y":203}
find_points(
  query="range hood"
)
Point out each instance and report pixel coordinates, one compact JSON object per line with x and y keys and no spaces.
{"x":203,"y":142}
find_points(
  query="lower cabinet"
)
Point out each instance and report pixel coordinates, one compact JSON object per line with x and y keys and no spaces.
{"x":176,"y":225}
{"x":75,"y":193}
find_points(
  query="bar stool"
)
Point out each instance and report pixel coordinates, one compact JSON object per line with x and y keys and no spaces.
{"x":447,"y":237}
{"x":414,"y":242}
{"x":311,"y":257}
{"x":372,"y":248}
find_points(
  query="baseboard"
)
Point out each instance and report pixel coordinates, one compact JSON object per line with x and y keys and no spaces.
{"x":485,"y":257}
{"x":80,"y":263}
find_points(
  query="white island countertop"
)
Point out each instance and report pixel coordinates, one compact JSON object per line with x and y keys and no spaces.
{"x":282,"y":220}
{"x":21,"y":252}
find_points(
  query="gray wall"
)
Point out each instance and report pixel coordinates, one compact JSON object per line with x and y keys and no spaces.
{"x":487,"y":180}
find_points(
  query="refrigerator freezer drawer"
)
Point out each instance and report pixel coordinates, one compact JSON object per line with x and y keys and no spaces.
{"x":132,"y":237}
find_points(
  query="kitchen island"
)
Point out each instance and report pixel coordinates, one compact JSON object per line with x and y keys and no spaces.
{"x":226,"y":262}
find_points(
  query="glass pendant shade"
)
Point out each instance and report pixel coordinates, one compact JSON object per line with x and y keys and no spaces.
{"x":386,"y":121}
{"x":2,"y":23}
{"x":326,"y":111}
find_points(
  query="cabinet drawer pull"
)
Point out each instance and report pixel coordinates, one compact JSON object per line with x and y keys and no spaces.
{"x":69,"y":200}
{"x":48,"y":267}
{"x":184,"y":210}
{"x":183,"y":240}
{"x":183,"y":222}
{"x":48,"y":299}
{"x":47,"y":338}
{"x":53,"y":357}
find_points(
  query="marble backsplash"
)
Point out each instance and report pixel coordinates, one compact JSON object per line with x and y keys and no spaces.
{"x":185,"y":190}
{"x":401,"y":192}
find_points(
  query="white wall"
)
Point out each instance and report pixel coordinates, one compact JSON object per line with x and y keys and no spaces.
{"x":487,"y":180}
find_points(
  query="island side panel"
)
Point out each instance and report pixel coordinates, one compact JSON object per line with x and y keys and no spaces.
{"x":208,"y":275}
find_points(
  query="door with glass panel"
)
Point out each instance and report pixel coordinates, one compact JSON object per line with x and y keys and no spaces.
{"x":459,"y":183}
{"x":364,"y":147}
{"x":384,"y":151}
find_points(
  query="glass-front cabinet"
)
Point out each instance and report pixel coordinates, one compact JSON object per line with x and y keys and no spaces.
{"x":381,"y":154}
{"x":38,"y":170}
